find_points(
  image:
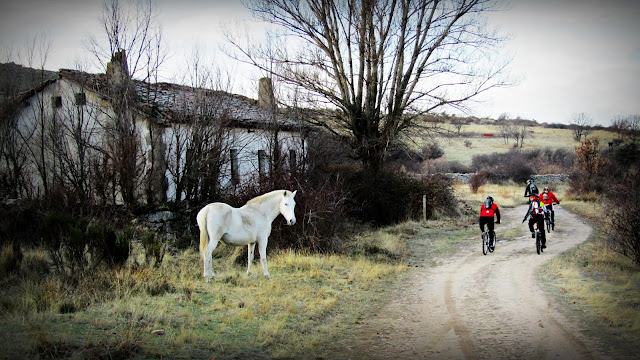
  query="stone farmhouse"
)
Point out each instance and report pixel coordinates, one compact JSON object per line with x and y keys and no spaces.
{"x":179,"y":128}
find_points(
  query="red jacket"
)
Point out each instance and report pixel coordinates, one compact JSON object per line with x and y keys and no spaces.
{"x":550,"y":198}
{"x":494,"y":210}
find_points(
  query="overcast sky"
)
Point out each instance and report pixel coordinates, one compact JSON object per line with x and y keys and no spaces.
{"x":573,"y":55}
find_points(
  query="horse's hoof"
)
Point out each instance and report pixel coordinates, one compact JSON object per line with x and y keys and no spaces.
{"x":268,"y":277}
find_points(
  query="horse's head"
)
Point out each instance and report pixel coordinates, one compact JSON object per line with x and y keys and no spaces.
{"x":287,"y":207}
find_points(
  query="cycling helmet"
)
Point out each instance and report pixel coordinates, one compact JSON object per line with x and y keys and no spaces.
{"x":529,"y":181}
{"x":490,"y":198}
{"x":546,"y":188}
{"x":533,"y":197}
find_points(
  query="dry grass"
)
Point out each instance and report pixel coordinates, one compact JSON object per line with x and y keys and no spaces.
{"x":597,"y":284}
{"x":234,"y":316}
{"x":456,"y":149}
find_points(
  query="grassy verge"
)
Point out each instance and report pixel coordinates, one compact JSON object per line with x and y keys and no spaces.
{"x":599,"y":287}
{"x":169,"y":311}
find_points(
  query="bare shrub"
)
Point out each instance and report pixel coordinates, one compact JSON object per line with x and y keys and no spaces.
{"x":477,"y":180}
{"x":321,"y":214}
{"x":449,"y":167}
{"x":154,"y":248}
{"x":10,"y":258}
{"x":588,"y":166}
{"x":624,"y":201}
{"x":514,"y":164}
{"x":76,"y":244}
{"x":392,"y":197}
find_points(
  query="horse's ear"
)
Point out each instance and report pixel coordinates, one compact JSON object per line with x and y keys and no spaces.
{"x":294,"y":194}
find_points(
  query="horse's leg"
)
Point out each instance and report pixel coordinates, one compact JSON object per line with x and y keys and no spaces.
{"x":262,"y":247}
{"x":208,"y":266}
{"x":251,"y":250}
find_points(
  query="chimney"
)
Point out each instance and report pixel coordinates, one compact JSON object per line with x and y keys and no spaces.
{"x":265,"y":94}
{"x":117,"y":69}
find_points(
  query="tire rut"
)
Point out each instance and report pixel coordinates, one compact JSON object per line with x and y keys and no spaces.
{"x":478,"y":307}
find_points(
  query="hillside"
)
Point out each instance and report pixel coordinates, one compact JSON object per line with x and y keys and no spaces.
{"x":472,"y":140}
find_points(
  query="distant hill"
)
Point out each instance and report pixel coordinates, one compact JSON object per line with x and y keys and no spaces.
{"x":15,"y":79}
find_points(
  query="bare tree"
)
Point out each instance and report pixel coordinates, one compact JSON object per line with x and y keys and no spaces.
{"x":381,"y":63}
{"x":131,"y":26}
{"x":133,"y":48}
{"x":38,"y":52}
{"x":200,"y":134}
{"x":72,"y":134}
{"x":506,"y":127}
{"x":522,"y":131}
{"x":634,"y":126}
{"x":458,"y":123}
{"x":15,"y":155}
{"x":580,"y":125}
{"x":620,"y":125}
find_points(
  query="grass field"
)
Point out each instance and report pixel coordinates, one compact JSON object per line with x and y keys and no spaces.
{"x":539,"y":138}
{"x":236,"y":315}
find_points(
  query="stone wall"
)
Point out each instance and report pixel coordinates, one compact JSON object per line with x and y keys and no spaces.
{"x":460,"y":177}
{"x":550,"y":178}
{"x":537,"y":179}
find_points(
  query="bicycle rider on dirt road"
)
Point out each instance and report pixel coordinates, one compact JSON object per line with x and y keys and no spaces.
{"x":537,"y":210}
{"x":547,"y":197}
{"x":531,"y":189}
{"x":488,"y":210}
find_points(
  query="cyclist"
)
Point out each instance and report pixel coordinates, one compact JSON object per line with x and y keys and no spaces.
{"x":531,"y":189}
{"x":548,"y":198}
{"x":537,"y":211}
{"x":488,"y":210}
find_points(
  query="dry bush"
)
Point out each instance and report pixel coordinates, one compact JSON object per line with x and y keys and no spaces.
{"x":439,"y":166}
{"x":10,"y":258}
{"x":519,"y":165}
{"x":624,"y":201}
{"x":478,"y":179}
{"x":389,"y":197}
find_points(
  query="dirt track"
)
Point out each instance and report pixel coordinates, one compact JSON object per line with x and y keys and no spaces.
{"x":480,"y":307}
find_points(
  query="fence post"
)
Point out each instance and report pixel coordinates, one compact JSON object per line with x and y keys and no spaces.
{"x":424,"y":208}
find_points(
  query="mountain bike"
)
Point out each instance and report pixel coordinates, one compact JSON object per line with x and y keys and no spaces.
{"x":547,"y":221}
{"x":488,"y":241}
{"x":539,"y":248}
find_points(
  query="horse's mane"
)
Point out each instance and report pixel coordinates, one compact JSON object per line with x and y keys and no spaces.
{"x":266,"y":197}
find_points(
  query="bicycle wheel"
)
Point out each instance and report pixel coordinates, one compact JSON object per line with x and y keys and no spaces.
{"x":548,"y":222}
{"x":485,"y":243}
{"x":538,"y":245}
{"x":492,"y":242}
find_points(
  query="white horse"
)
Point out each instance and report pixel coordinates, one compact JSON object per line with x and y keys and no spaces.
{"x":247,"y":225}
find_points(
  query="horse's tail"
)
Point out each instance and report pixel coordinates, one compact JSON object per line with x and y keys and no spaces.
{"x":204,"y":235}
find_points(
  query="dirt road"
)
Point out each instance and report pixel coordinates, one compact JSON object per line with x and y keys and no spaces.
{"x":480,"y":307}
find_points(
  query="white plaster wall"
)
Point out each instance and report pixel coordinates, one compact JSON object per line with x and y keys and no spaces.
{"x":97,"y":111}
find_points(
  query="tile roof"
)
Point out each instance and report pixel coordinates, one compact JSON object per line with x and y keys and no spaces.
{"x":171,"y":103}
